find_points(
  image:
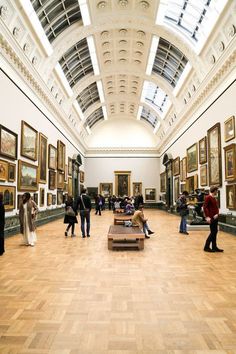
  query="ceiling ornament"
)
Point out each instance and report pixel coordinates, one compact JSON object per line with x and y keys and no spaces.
{"x":122,"y":60}
{"x":102,"y":5}
{"x":122,"y":52}
{"x":107,"y":62}
{"x":4,"y":12}
{"x":122,"y":82}
{"x":122,"y":42}
{"x":104,"y":34}
{"x":136,"y":61}
{"x":138,"y":53}
{"x":26,"y":48}
{"x":123,"y":32}
{"x":212,"y":59}
{"x":109,"y":82}
{"x":34,"y":60}
{"x":107,"y":54}
{"x":231,"y":30}
{"x":139,"y":44}
{"x":16,"y":32}
{"x":141,"y":34}
{"x":106,"y":45}
{"x":144,"y":5}
{"x":221,"y":46}
{"x":123,"y":3}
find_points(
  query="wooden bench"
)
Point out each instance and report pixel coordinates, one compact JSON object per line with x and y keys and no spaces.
{"x":120,"y":236}
{"x":118,"y":211}
{"x":120,"y":218}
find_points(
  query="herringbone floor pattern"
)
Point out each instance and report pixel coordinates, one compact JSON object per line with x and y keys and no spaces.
{"x":73,"y":296}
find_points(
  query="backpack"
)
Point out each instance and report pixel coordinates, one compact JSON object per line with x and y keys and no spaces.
{"x":178,"y":205}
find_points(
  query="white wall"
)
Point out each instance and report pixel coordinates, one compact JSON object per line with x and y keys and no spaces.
{"x":223,"y":108}
{"x":15,"y":107}
{"x":145,"y":170}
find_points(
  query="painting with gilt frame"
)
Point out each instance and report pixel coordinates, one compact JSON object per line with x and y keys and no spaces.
{"x":176,"y":166}
{"x":29,"y":141}
{"x":192,"y":160}
{"x":214,"y":155}
{"x":202,"y":147}
{"x":8,"y":143}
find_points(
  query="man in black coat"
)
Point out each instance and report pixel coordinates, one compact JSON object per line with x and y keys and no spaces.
{"x":83,"y":204}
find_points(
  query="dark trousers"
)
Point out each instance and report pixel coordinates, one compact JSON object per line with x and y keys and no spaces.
{"x":212,"y":236}
{"x":98,"y":209}
{"x":85,"y":215}
{"x":2,"y":249}
{"x":72,"y":226}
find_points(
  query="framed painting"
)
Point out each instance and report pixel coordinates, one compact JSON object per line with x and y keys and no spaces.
{"x":92,"y":192}
{"x":19,"y":200}
{"x":150,"y":195}
{"x":36,"y":198}
{"x":192,"y":184}
{"x":203,"y":175}
{"x":3,"y":170}
{"x":106,"y":189}
{"x":66,"y":173}
{"x":41,"y":197}
{"x":202,"y":147}
{"x":43,"y":147}
{"x":70,"y":186}
{"x":65,"y":197}
{"x":192,"y":160}
{"x":69,"y":166}
{"x":230,"y":162}
{"x":231,"y":196}
{"x":122,"y":183}
{"x":29,"y":141}
{"x":49,"y":199}
{"x":176,"y":166}
{"x":137,"y":188}
{"x":81,"y":176}
{"x":59,"y":197}
{"x":163,"y":182}
{"x":52,"y":183}
{"x":54,"y":199}
{"x":27,"y":176}
{"x":184,"y":162}
{"x":230,"y":128}
{"x":214,"y":155}
{"x":61,"y":153}
{"x":52,"y":157}
{"x":11,"y":172}
{"x":9,"y":196}
{"x":60,"y":180}
{"x":176,"y":188}
{"x":65,"y":188}
{"x":182,"y":187}
{"x":8,"y":143}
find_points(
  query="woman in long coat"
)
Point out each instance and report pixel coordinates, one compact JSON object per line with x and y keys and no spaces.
{"x":2,"y":224}
{"x":27,"y":215}
{"x":70,"y":217}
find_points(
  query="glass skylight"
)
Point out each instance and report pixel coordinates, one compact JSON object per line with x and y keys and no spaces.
{"x":157,"y":97}
{"x":88,"y":96}
{"x":94,"y":117}
{"x":56,"y":15}
{"x":149,"y":117}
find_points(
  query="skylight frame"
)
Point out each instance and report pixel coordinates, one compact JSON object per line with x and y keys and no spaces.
{"x":94,"y":117}
{"x":88,"y":97}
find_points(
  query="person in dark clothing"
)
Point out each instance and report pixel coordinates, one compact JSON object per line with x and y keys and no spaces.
{"x":98,"y":204}
{"x":70,"y":217}
{"x":109,"y":202}
{"x":83,"y":204}
{"x":182,"y":208}
{"x":211,"y":212}
{"x":2,"y":225}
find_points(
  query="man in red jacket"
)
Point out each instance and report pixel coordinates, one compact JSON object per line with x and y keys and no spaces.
{"x":211,"y":211}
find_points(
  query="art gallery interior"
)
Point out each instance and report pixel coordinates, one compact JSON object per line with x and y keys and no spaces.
{"x":121,"y":97}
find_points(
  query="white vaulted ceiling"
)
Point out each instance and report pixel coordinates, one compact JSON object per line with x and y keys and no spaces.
{"x":125,"y":71}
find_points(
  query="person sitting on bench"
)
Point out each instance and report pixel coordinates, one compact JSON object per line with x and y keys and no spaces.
{"x":129,"y":208}
{"x":139,"y":220}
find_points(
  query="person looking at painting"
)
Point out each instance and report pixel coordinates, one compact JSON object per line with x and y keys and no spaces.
{"x":139,"y":220}
{"x":83,"y":204}
{"x":2,"y":225}
{"x":211,"y":211}
{"x":98,"y":204}
{"x":182,"y":209}
{"x":70,"y":217}
{"x":27,"y":214}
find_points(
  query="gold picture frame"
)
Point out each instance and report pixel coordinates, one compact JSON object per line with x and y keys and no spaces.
{"x":52,"y":157}
{"x":192,"y":158}
{"x":27,"y":176}
{"x":41,"y":197}
{"x":61,"y":153}
{"x":176,"y":166}
{"x":9,"y":196}
{"x":137,"y":188}
{"x":192,"y":183}
{"x":231,"y":196}
{"x":43,"y":149}
{"x":8,"y":143}
{"x":202,"y":150}
{"x":150,"y":195}
{"x":70,"y":186}
{"x":229,"y":126}
{"x":52,"y":181}
{"x":230,"y":162}
{"x":203,"y":175}
{"x":3,"y":171}
{"x":122,"y":183}
{"x":70,"y":166}
{"x":106,"y":189}
{"x":60,"y":180}
{"x":59,"y":197}
{"x":29,"y":141}
{"x":214,"y":155}
{"x":11,"y":172}
{"x":176,"y":188}
{"x":49,"y":199}
{"x":81,"y":176}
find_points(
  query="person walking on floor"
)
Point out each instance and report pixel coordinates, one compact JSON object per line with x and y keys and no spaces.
{"x":2,"y":225}
{"x":139,"y":220}
{"x":27,"y":214}
{"x":211,"y":212}
{"x":83,"y":204}
{"x":182,"y":209}
{"x":98,"y":204}
{"x":70,"y":217}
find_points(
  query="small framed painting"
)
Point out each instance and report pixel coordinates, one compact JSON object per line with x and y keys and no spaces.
{"x":61,"y":153}
{"x":9,"y":196}
{"x":49,"y":199}
{"x":27,"y":176}
{"x":41,"y":197}
{"x":137,"y":188}
{"x":52,"y":183}
{"x":176,"y":166}
{"x":8,"y":143}
{"x":3,"y":170}
{"x":81,"y":176}
{"x":52,"y":157}
{"x":54,"y":199}
{"x":60,"y":180}
{"x":43,"y":150}
{"x":69,"y":166}
{"x":230,"y":129}
{"x":202,"y":147}
{"x":29,"y":141}
{"x":70,"y":186}
{"x":231,"y":196}
{"x":163,"y":182}
{"x":11,"y":172}
{"x":106,"y":189}
{"x":59,"y":197}
{"x":214,"y":155}
{"x":203,"y":175}
{"x":150,"y":195}
{"x":230,"y":162}
{"x":176,"y":188}
{"x":36,"y":198}
{"x":192,"y":160}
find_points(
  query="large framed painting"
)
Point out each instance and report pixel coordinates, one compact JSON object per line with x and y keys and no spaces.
{"x":163,"y":182}
{"x":122,"y":183}
{"x":27,"y":176}
{"x":43,"y":148}
{"x":214,"y":155}
{"x":230,"y":162}
{"x":203,"y":175}
{"x":176,"y":188}
{"x":8,"y":143}
{"x":9,"y":196}
{"x":54,"y":199}
{"x":230,"y":128}
{"x":150,"y":195}
{"x":11,"y":172}
{"x":176,"y":166}
{"x":29,"y":141}
{"x":41,"y":197}
{"x":61,"y":153}
{"x":70,"y":186}
{"x":192,"y":184}
{"x":106,"y":189}
{"x":231,"y":196}
{"x":60,"y":180}
{"x":52,"y":183}
{"x":69,"y":166}
{"x":202,"y":147}
{"x":81,"y":176}
{"x":192,"y":160}
{"x":92,"y":192}
{"x":137,"y":188}
{"x":3,"y":170}
{"x":59,"y":197}
{"x":52,"y":157}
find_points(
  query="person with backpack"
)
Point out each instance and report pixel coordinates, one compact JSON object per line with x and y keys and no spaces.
{"x":70,"y":217}
{"x":182,"y":209}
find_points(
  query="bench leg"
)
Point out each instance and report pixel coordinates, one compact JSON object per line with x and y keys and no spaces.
{"x":141,"y":244}
{"x":110,"y":244}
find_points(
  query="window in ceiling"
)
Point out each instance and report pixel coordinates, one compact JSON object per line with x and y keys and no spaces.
{"x":56,"y":15}
{"x":149,"y":117}
{"x":169,"y":62}
{"x":88,"y":96}
{"x":94,"y":117}
{"x":76,"y":62}
{"x":158,"y":98}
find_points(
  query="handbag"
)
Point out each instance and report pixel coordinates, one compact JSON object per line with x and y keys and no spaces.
{"x":70,"y":211}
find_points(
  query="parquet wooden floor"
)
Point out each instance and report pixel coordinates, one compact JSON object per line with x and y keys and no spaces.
{"x":73,"y":296}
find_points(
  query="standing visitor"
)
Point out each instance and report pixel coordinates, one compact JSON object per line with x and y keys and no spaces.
{"x":2,"y":225}
{"x":27,"y":214}
{"x":98,"y":204}
{"x":211,"y":212}
{"x":70,"y":217}
{"x":182,"y":209}
{"x":84,"y":206}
